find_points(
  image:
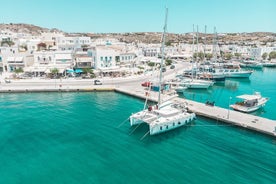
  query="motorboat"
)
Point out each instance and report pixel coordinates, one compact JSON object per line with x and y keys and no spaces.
{"x":250,"y":103}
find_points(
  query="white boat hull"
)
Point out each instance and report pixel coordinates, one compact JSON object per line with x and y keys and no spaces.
{"x":170,"y":125}
{"x":239,"y":74}
{"x":168,"y":117}
{"x":243,"y":108}
{"x":197,"y":85}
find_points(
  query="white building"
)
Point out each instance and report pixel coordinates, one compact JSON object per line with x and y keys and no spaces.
{"x":45,"y":61}
{"x":72,"y":43}
{"x":258,"y":52}
{"x":82,"y":60}
{"x":103,"y":57}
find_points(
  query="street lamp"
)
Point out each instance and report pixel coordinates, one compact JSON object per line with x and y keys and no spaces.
{"x":229,"y":107}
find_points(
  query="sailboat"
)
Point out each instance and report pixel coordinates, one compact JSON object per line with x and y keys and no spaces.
{"x":163,"y":116}
{"x":196,"y":83}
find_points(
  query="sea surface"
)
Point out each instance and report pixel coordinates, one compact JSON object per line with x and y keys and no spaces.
{"x":86,"y":138}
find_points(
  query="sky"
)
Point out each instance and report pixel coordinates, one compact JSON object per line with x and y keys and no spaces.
{"x":120,"y":16}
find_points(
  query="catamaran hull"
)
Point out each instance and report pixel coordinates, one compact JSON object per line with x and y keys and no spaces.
{"x":138,"y":118}
{"x":170,"y":125}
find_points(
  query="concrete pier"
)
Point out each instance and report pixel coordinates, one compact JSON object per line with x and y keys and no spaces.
{"x":248,"y":121}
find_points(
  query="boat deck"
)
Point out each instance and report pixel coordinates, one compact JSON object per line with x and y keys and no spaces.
{"x":244,"y":120}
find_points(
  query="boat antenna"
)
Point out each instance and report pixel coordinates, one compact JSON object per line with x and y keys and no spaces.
{"x":162,"y":58}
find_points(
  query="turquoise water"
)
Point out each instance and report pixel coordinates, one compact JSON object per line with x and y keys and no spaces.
{"x":75,"y":138}
{"x":263,"y":81}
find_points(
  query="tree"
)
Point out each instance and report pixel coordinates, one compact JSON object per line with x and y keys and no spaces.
{"x":264,"y":56}
{"x":88,"y":72}
{"x":228,"y":56}
{"x":24,"y":47}
{"x":199,"y":55}
{"x":7,"y":42}
{"x":151,"y":64}
{"x":168,"y":43}
{"x":238,"y":55}
{"x":272,"y":55}
{"x":18,"y":70}
{"x":54,"y":72}
{"x":209,"y":56}
{"x":168,"y":62}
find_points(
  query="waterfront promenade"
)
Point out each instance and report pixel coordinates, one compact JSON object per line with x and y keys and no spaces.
{"x":132,"y":86}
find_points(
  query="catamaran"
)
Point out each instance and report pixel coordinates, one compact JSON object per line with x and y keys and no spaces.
{"x":163,"y":116}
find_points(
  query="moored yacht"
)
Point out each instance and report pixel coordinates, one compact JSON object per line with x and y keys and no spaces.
{"x":232,"y":71}
{"x":250,"y":103}
{"x":164,"y":116}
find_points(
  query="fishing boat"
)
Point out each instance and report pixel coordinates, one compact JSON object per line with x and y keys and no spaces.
{"x":163,"y":116}
{"x":250,"y":103}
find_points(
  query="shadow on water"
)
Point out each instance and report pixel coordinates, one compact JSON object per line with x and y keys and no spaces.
{"x":143,"y":129}
{"x":239,"y":80}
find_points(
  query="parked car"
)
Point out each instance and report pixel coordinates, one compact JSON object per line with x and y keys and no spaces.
{"x":146,"y":84}
{"x":172,"y":67}
{"x":97,"y":82}
{"x":163,"y":69}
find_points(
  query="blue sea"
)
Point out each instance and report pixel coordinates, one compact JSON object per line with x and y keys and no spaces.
{"x":86,"y":138}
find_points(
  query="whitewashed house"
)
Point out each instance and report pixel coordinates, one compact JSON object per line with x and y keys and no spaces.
{"x":82,"y":60}
{"x":72,"y":43}
{"x":45,"y":61}
{"x":103,"y":57}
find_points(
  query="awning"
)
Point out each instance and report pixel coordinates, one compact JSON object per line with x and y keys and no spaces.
{"x":78,"y":70}
{"x":70,"y":71}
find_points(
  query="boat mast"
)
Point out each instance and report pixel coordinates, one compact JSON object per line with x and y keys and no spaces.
{"x":204,"y":47}
{"x":162,"y":58}
{"x":193,"y":48}
{"x":215,"y":45}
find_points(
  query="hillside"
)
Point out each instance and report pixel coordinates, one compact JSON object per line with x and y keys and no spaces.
{"x":152,"y":37}
{"x":26,"y":28}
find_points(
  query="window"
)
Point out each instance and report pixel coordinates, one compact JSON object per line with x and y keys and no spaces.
{"x":101,"y":58}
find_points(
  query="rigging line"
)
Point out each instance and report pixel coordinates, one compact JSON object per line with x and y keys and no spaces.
{"x":147,"y":95}
{"x":122,"y":123}
{"x":144,"y":136}
{"x":134,"y":129}
{"x":211,"y":125}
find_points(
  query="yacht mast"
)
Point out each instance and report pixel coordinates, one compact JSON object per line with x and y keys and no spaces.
{"x":215,"y":45}
{"x":204,"y":47}
{"x":162,"y":59}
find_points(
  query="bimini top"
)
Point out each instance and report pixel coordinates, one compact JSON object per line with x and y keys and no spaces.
{"x":249,"y":97}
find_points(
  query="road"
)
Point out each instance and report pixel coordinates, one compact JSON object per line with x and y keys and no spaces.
{"x":120,"y":81}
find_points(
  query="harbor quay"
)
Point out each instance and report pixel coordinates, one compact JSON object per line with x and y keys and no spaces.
{"x":247,"y":121}
{"x":130,"y":86}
